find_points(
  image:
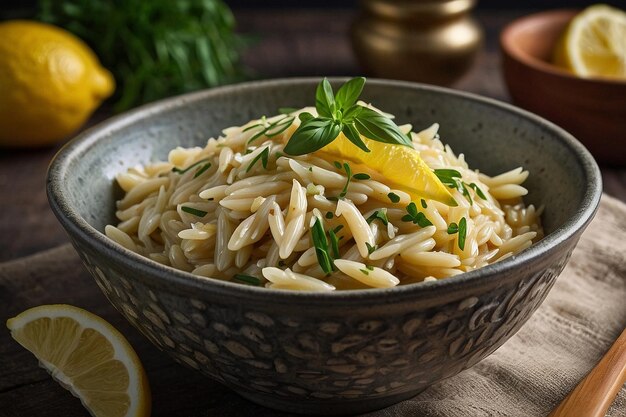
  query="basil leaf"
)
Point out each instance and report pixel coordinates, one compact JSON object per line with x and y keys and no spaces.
{"x":412,"y":209}
{"x":380,"y":128}
{"x":349,"y":93}
{"x":306,"y":116}
{"x":353,"y":136}
{"x":324,"y":99}
{"x":312,"y":135}
{"x":351,"y":113}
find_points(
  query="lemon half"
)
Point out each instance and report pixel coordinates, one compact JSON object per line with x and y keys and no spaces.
{"x":86,"y":355}
{"x":594,"y":43}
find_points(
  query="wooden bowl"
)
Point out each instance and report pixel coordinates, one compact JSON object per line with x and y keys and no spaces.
{"x":592,"y":109}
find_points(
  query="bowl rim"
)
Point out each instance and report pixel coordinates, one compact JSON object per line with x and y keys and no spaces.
{"x":187,"y":282}
{"x":509,"y":47}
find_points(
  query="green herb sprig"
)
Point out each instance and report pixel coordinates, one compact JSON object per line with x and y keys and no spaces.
{"x":263,"y":156}
{"x":378,"y":215}
{"x":270,"y":130}
{"x":461,"y":229}
{"x":415,"y":216}
{"x":320,"y":242}
{"x":339,"y":113}
{"x":452,"y":178}
{"x":195,"y":164}
{"x":156,"y":48}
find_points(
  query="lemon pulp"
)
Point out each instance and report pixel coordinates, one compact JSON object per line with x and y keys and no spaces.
{"x":86,"y":355}
{"x":401,"y":166}
{"x":594,"y":43}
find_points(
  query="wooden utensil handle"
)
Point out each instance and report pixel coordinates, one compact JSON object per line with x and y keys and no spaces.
{"x":595,"y":393}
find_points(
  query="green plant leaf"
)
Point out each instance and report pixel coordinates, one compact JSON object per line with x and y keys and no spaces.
{"x":324,"y":99}
{"x":312,"y":135}
{"x":353,"y":136}
{"x":349,"y":93}
{"x":380,"y":128}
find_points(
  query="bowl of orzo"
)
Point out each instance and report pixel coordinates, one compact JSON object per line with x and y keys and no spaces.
{"x":325,"y":246}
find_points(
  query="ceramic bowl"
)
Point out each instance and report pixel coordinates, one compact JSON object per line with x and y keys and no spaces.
{"x":592,"y":109}
{"x":343,"y":352}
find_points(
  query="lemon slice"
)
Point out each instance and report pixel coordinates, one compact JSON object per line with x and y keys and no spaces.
{"x":594,"y":43}
{"x":86,"y":355}
{"x":401,"y":166}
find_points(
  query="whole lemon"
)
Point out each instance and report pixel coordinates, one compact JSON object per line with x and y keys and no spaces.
{"x":50,"y":82}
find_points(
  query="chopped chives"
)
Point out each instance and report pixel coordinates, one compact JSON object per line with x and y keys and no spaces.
{"x":195,"y":212}
{"x":202,"y":170}
{"x":182,"y":171}
{"x":248,"y":279}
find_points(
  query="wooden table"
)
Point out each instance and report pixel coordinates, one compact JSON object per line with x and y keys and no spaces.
{"x":291,"y":43}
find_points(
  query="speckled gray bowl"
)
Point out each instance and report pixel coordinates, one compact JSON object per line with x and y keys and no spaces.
{"x":333,"y":353}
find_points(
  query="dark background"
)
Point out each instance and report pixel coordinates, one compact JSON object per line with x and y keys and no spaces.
{"x":27,"y":8}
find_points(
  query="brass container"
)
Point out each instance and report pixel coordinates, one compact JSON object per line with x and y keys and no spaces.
{"x":431,"y":41}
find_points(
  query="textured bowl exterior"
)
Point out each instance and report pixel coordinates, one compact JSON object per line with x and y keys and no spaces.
{"x":593,"y":110}
{"x":345,"y":352}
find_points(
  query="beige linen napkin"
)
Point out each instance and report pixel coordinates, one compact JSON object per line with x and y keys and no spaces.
{"x":581,"y":317}
{"x":535,"y":369}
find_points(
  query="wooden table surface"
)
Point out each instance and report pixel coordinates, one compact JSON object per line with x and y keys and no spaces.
{"x":290,"y":43}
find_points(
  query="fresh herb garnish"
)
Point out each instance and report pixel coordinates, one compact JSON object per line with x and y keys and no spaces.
{"x":370,"y":248}
{"x":202,"y":170}
{"x":195,"y":212}
{"x":461,"y":229}
{"x":338,"y":228}
{"x":182,"y":171}
{"x":270,"y":130}
{"x":452,"y":178}
{"x":478,"y":191}
{"x":393,"y":197}
{"x":417,"y":217}
{"x":339,"y":113}
{"x":361,"y":176}
{"x":334,"y":243}
{"x":248,"y":279}
{"x":263,"y":156}
{"x":329,"y":215}
{"x":369,"y":267}
{"x":380,"y":215}
{"x":453,"y":228}
{"x":349,"y":174}
{"x":462,"y":232}
{"x":320,"y":242}
{"x":448,"y":177}
{"x":337,"y":164}
{"x":364,"y":271}
{"x":423,"y":202}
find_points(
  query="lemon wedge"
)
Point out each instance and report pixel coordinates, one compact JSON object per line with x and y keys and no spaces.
{"x":86,"y":355}
{"x":594,"y":43}
{"x":401,"y":166}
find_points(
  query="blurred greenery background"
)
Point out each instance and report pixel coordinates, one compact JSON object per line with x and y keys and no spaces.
{"x":159,"y":48}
